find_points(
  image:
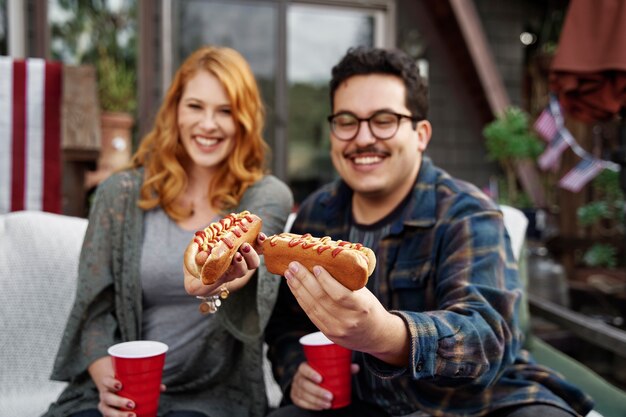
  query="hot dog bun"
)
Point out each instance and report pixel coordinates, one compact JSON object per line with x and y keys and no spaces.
{"x":349,"y":263}
{"x":211,"y":250}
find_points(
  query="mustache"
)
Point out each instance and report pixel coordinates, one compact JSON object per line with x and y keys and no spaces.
{"x":367,"y":150}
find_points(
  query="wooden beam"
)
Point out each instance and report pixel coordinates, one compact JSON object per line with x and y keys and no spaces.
{"x":469,"y":23}
{"x":592,"y":330}
{"x":476,"y":42}
{"x":147,"y":64}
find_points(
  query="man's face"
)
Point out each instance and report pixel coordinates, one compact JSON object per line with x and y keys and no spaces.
{"x":376,"y":168}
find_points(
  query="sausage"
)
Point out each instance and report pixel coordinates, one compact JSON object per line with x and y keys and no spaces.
{"x":211,"y":251}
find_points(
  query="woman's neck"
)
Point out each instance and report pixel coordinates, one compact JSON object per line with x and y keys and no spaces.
{"x":196,"y":197}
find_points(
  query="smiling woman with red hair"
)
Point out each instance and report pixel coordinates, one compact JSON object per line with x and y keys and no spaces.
{"x":204,"y":158}
{"x":164,"y":156}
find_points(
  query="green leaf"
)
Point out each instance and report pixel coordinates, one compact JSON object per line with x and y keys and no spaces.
{"x":592,"y":213}
{"x":509,"y":137}
{"x":601,"y":255}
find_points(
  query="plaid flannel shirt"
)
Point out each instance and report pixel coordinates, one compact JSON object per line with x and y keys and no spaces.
{"x":447,"y":269}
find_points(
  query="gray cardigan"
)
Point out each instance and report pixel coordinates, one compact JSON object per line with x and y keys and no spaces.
{"x":108,"y":308}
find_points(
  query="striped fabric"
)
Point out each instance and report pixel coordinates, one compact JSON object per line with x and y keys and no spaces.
{"x":30,"y":135}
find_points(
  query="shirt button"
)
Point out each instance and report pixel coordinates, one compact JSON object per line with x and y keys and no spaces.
{"x":459,"y":371}
{"x":419,"y":366}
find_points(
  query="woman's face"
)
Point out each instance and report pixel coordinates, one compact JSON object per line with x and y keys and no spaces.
{"x":205,"y":123}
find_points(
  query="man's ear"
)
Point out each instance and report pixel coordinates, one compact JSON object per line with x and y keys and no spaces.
{"x":424,"y":130}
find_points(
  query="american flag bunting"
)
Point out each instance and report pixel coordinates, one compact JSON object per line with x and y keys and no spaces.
{"x":581,"y":174}
{"x":552,"y":154}
{"x":545,"y":125}
{"x":30,"y":134}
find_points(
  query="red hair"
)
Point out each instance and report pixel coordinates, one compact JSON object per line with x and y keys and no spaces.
{"x":163,"y":156}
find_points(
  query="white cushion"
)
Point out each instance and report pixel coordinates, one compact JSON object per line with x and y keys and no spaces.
{"x":516,"y":223}
{"x":38,"y":267}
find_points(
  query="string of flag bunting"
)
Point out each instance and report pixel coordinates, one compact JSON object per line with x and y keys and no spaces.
{"x":550,"y":126}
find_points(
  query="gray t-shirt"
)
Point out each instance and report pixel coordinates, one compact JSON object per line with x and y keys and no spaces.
{"x":170,"y":315}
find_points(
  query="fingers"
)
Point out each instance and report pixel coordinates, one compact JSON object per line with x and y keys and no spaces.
{"x":244,"y":261}
{"x":320,"y":285}
{"x":236,"y":269}
{"x":306,"y":392}
{"x":331,"y":286}
{"x":258,"y":245}
{"x":193,"y":285}
{"x":111,"y":404}
{"x":309,"y":296}
{"x":320,"y":296}
{"x":250,"y":256}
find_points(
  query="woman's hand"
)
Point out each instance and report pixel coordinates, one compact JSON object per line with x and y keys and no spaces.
{"x":111,"y":404}
{"x":244,"y":264}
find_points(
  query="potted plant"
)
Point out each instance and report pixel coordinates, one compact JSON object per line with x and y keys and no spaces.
{"x":113,"y":53}
{"x":118,"y":102}
{"x":509,"y":139}
{"x":116,"y":84}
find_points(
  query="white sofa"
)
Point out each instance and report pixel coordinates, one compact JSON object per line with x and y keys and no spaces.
{"x":38,"y":268}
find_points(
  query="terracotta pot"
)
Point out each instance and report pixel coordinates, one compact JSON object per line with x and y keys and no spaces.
{"x":116,"y":146}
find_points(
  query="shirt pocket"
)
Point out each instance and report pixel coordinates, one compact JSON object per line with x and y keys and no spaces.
{"x":408,"y":282}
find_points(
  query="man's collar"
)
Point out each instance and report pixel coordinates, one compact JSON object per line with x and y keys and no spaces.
{"x":422,"y":205}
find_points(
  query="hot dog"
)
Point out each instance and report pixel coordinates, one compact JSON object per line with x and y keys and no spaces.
{"x":211,"y":250}
{"x":349,"y":263}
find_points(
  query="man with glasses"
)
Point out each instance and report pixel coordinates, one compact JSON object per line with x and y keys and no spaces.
{"x":435,"y":331}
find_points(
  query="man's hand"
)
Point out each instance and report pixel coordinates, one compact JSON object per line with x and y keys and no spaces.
{"x":306,"y":392}
{"x":353,"y":319}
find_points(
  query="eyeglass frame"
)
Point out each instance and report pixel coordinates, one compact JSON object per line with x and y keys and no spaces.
{"x":399,"y":116}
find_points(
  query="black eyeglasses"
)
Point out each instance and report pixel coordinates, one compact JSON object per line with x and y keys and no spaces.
{"x":383,"y":124}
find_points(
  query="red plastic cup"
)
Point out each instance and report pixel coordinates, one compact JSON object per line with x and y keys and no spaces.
{"x":138,"y":366}
{"x":332,"y":362}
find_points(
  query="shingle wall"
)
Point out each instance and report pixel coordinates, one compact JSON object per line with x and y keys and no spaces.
{"x":457,"y":143}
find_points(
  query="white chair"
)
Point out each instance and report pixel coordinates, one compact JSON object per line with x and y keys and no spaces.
{"x":516,"y":223}
{"x":38,"y":268}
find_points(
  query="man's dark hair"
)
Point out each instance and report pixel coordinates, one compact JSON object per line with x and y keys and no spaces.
{"x":364,"y":60}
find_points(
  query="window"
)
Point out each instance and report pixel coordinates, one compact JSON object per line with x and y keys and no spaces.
{"x":317,"y":37}
{"x":291,"y":47}
{"x":248,"y":27}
